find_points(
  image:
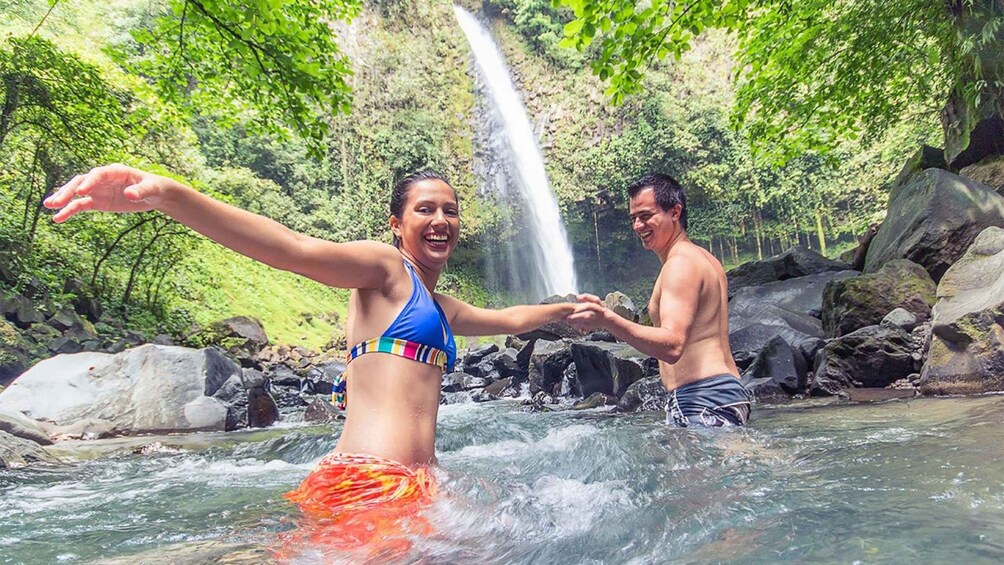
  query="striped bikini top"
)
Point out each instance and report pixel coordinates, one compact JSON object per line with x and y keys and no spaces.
{"x":420,"y":332}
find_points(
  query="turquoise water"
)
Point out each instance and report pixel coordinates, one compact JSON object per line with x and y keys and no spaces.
{"x":905,"y":481}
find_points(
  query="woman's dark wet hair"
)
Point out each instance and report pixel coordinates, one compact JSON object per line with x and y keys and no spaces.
{"x":399,"y":195}
{"x":668,"y":193}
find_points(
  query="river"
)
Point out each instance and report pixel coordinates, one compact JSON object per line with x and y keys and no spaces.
{"x":902,"y":481}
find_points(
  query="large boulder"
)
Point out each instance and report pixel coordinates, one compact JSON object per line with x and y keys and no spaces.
{"x":13,"y":353}
{"x":989,"y":172}
{"x":22,"y":312}
{"x":926,"y":157}
{"x":16,"y":452}
{"x":973,"y":133}
{"x":802,"y":295}
{"x":148,"y":389}
{"x":793,"y":263}
{"x":853,"y":303}
{"x":607,"y":367}
{"x":933,"y":220}
{"x":241,"y":336}
{"x":801,"y":332}
{"x":621,"y":305}
{"x":967,"y":341}
{"x":875,"y":356}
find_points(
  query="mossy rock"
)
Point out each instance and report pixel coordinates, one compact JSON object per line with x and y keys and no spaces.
{"x":14,"y":353}
{"x":854,"y":303}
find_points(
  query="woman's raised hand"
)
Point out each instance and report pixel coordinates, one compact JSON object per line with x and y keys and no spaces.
{"x":112,"y":188}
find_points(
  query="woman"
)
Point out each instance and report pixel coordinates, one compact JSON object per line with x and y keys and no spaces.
{"x":399,"y":327}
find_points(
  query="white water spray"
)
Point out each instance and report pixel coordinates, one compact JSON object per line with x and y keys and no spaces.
{"x":552,"y":255}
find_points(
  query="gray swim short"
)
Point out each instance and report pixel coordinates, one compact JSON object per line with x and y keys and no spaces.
{"x":712,"y":402}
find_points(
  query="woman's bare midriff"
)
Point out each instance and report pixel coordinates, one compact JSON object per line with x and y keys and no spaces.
{"x":392,"y":407}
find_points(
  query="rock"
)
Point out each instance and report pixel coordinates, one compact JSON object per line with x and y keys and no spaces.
{"x":765,"y":389}
{"x":470,"y":382}
{"x":505,"y":387}
{"x":87,"y":429}
{"x":878,"y":394}
{"x":281,"y":375}
{"x":553,"y":331}
{"x":65,"y":346}
{"x":967,"y":330}
{"x":595,"y":400}
{"x":602,"y":335}
{"x":645,"y":395}
{"x":547,"y":364}
{"x":793,"y":263}
{"x":609,"y":368}
{"x":242,"y":337}
{"x":507,"y":364}
{"x":989,"y":172}
{"x":475,"y":356}
{"x":854,"y":303}
{"x":900,"y":318}
{"x":13,"y":353}
{"x":926,"y":157}
{"x":453,"y":382}
{"x":16,"y":452}
{"x":322,"y":411}
{"x":163,"y":339}
{"x":875,"y":356}
{"x":933,"y":220}
{"x":65,"y":319}
{"x":23,"y":313}
{"x":262,"y":410}
{"x":802,"y":295}
{"x":19,"y":425}
{"x":983,"y":139}
{"x":800,"y":331}
{"x":781,"y":364}
{"x":148,"y":389}
{"x":621,"y":305}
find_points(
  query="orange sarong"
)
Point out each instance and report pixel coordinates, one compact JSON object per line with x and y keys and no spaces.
{"x":352,"y":501}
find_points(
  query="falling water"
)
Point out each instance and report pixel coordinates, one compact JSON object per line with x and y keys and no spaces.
{"x":517,"y":161}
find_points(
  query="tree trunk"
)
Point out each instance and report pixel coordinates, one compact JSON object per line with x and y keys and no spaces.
{"x":819,"y":232}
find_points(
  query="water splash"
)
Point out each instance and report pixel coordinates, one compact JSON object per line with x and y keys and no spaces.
{"x":546,"y":248}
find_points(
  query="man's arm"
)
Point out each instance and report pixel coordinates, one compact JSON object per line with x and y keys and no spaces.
{"x":468,"y":320}
{"x":679,"y":292}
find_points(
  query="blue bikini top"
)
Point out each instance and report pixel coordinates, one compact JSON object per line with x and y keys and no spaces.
{"x":420,"y":332}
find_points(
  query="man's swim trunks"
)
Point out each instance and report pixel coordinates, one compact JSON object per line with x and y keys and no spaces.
{"x":343,"y":483}
{"x":712,"y":402}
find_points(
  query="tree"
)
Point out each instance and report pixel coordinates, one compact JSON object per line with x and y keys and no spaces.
{"x":813,"y":72}
{"x":277,"y":58}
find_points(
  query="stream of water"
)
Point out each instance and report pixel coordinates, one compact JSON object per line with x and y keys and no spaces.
{"x":905,"y":481}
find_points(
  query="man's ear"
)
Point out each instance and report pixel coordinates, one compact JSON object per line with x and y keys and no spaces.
{"x":676,"y":211}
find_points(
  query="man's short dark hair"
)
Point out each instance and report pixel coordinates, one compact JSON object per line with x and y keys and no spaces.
{"x":668,"y":193}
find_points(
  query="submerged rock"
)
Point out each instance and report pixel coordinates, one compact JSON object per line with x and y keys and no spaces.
{"x":595,"y":400}
{"x":875,"y":356}
{"x":781,"y":364}
{"x":609,"y":368}
{"x":645,"y":395}
{"x":967,"y":342}
{"x":17,"y":452}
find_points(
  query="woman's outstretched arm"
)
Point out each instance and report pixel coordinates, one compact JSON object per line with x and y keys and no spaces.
{"x":117,"y":188}
{"x":469,"y":320}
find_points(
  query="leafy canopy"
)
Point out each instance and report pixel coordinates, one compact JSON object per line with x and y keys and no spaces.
{"x":276,"y":58}
{"x":810,"y":72}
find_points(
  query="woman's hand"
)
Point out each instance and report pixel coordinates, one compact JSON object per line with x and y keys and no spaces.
{"x":112,"y":188}
{"x":589,"y":313}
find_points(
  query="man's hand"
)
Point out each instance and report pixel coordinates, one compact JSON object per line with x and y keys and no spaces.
{"x":113,"y":188}
{"x":589,"y":313}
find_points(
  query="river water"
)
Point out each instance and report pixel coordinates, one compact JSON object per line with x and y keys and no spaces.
{"x":903,"y":481}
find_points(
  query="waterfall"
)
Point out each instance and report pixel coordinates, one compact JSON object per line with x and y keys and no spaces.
{"x":515,"y":159}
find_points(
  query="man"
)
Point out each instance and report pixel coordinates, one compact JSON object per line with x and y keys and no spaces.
{"x":689,"y":310}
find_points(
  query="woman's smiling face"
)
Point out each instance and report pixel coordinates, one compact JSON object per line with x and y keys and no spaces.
{"x":429,"y":226}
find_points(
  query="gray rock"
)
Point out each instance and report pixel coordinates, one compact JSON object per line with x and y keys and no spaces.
{"x":13,"y":353}
{"x":506,"y":387}
{"x":780,"y":363}
{"x":24,"y":313}
{"x":967,"y":342}
{"x":470,"y":382}
{"x":609,"y":368}
{"x":802,"y":295}
{"x":851,"y":304}
{"x":900,"y":318}
{"x":595,"y":400}
{"x":19,"y":425}
{"x":621,"y":305}
{"x":547,"y":364}
{"x":989,"y":171}
{"x":794,"y":263}
{"x":476,"y":355}
{"x":933,"y":220}
{"x":645,"y":395}
{"x":926,"y":157}
{"x":875,"y":356}
{"x":322,"y":411}
{"x":507,"y":364}
{"x":16,"y":452}
{"x":453,"y":382}
{"x":147,"y":389}
{"x":87,"y":429}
